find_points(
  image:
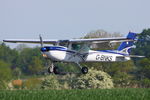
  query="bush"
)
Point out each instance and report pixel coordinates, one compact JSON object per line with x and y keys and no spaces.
{"x":3,"y":84}
{"x":5,"y":74}
{"x":50,"y":82}
{"x":33,"y":83}
{"x":122,"y":79}
{"x":145,"y":83}
{"x":94,"y":79}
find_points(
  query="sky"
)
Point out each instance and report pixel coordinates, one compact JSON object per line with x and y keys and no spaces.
{"x":65,"y":19}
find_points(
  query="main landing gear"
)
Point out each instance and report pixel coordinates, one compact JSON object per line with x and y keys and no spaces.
{"x":54,"y":69}
{"x":84,"y":70}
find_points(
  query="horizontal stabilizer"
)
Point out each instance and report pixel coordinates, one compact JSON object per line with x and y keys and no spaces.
{"x":135,"y":56}
{"x":127,"y":57}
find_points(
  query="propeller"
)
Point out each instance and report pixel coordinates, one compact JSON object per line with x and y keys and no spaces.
{"x":41,"y":41}
{"x":43,"y":49}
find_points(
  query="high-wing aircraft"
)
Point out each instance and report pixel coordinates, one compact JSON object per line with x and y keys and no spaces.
{"x":78,"y":50}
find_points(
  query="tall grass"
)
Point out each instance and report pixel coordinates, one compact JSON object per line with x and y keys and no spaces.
{"x":92,"y":94}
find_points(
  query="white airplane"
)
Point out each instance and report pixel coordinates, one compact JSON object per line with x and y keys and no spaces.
{"x":78,"y":50}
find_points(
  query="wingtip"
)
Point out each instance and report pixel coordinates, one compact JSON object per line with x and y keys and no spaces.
{"x":4,"y":40}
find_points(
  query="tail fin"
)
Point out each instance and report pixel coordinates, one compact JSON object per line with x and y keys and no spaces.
{"x":125,"y":47}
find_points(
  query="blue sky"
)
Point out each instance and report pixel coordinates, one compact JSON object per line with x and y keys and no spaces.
{"x":63,"y":19}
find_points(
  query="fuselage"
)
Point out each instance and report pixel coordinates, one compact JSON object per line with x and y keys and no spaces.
{"x":60,"y":53}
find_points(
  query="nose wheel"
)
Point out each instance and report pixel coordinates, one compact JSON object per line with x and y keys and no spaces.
{"x":50,"y":70}
{"x":53,"y":69}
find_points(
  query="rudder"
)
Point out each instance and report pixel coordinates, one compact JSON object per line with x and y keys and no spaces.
{"x":126,"y":46}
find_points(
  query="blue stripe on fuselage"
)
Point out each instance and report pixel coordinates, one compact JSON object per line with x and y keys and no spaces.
{"x":55,"y":48}
{"x":71,"y":51}
{"x":51,"y":48}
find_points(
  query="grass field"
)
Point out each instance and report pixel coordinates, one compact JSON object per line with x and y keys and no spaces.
{"x":93,"y":94}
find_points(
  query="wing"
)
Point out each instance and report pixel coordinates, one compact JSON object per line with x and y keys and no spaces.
{"x":48,"y":41}
{"x":101,"y":40}
{"x":94,"y":40}
{"x":51,"y":41}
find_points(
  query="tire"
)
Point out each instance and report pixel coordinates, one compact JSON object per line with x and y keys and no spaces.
{"x":56,"y":70}
{"x":84,"y":70}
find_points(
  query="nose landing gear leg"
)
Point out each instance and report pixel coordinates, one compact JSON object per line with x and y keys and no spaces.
{"x":53,"y":69}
